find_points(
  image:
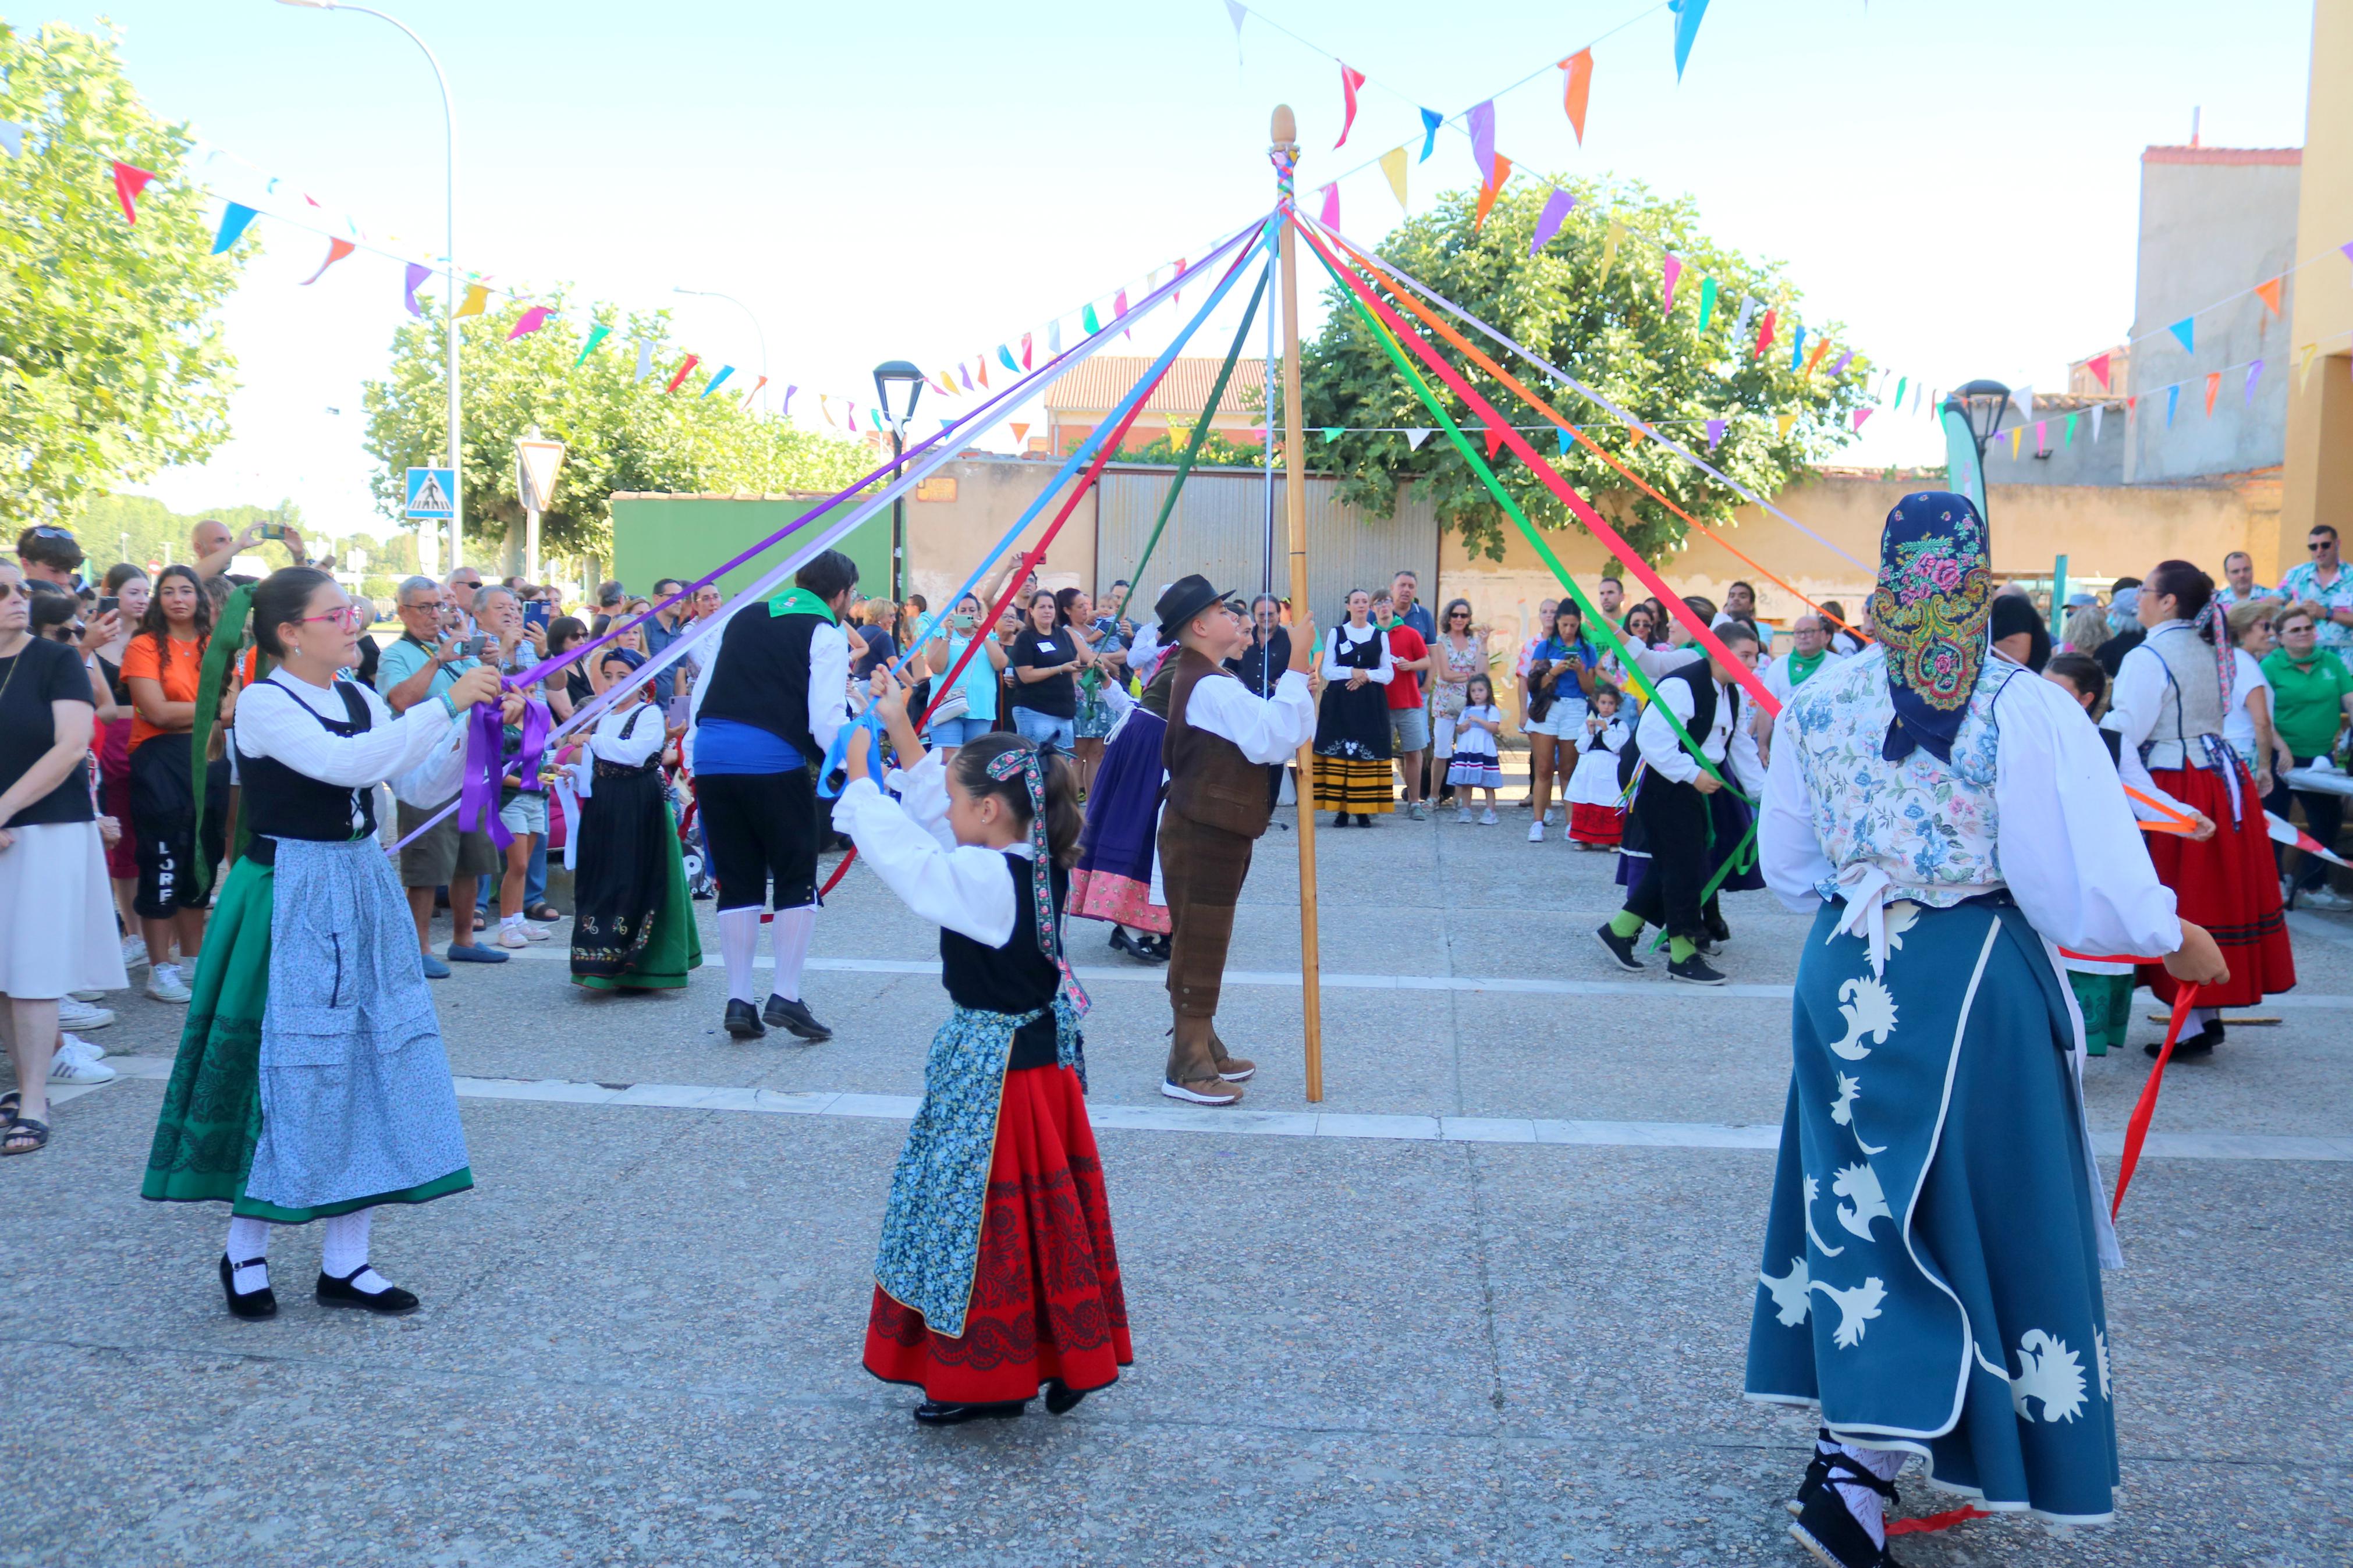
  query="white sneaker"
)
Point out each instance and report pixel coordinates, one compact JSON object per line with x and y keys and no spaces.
{"x":1487,"y":817}
{"x":2328,"y":899}
{"x":164,"y":983}
{"x":536,"y":932}
{"x":1535,"y":831}
{"x":134,"y":952}
{"x":1463,"y":815}
{"x":76,"y":1062}
{"x":511,"y":935}
{"x":78,"y":1014}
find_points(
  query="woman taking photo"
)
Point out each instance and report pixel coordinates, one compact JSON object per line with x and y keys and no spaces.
{"x":57,"y":929}
{"x":1352,"y":722}
{"x":1046,"y":657}
{"x":1561,"y":674}
{"x":310,"y":1081}
{"x":161,"y":670}
{"x":1096,"y":714}
{"x":969,"y":709}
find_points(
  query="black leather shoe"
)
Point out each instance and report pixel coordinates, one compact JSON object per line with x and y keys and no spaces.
{"x":1695,"y":971}
{"x":1062,"y":1398}
{"x":796,"y":1017}
{"x":1621,"y":948}
{"x":743,"y":1021}
{"x":1825,"y":1527}
{"x":261,"y":1303}
{"x":933,"y":1412}
{"x":392,"y":1300}
{"x":2190,"y":1047}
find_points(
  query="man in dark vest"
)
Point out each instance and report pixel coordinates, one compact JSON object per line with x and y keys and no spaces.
{"x":771,"y":703}
{"x":1677,"y":808}
{"x":1221,"y":740}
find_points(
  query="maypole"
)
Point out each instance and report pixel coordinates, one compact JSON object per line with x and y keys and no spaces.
{"x":1285,"y":152}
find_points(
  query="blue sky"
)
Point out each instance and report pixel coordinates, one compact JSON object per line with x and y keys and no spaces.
{"x":1956,"y":184}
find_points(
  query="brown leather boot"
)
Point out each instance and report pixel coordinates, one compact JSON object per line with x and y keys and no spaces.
{"x":1232,"y":1068}
{"x":1192,"y":1074}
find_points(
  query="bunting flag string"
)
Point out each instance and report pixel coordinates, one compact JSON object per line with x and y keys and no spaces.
{"x":1350,"y":81}
{"x":336,"y":250}
{"x":1393,"y":164}
{"x":1576,"y":87}
{"x":597,"y":334}
{"x":530,"y":321}
{"x":129,"y":181}
{"x":233,"y":221}
{"x":413,"y":274}
{"x":644,"y":360}
{"x":477,"y":300}
{"x":683,"y":371}
{"x":712,"y":384}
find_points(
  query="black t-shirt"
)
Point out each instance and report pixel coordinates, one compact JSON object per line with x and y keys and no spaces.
{"x":880,"y":651}
{"x":576,"y":687}
{"x":1057,"y":695}
{"x":43,"y":672}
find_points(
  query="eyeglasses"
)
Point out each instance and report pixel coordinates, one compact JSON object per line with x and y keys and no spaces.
{"x":348,"y":617}
{"x":45,"y":531}
{"x":16,"y":590}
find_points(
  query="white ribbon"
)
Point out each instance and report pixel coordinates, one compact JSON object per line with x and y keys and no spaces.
{"x":1864,"y":886}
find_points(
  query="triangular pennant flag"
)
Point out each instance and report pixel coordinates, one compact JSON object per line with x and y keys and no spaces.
{"x":1750,"y":305}
{"x":2098,"y":365}
{"x":2172,"y":401}
{"x":531,"y":320}
{"x":2023,"y":401}
{"x":683,"y":370}
{"x":1025,"y":351}
{"x":1482,"y":121}
{"x":1350,"y":81}
{"x":1089,"y":320}
{"x":1054,"y":336}
{"x":232,"y":224}
{"x":415,"y":272}
{"x":712,"y":384}
{"x":874,"y":417}
{"x":645,"y":359}
{"x":1785,"y":421}
{"x":477,"y":300}
{"x":2346,"y":247}
{"x":1670,"y":268}
{"x":1716,"y":428}
{"x":1845,"y":360}
{"x":1609,"y":248}
{"x":1495,"y":441}
{"x":1020,"y":433}
{"x":595,"y":336}
{"x":336,"y":250}
{"x":1815,"y":358}
{"x":2268,"y":292}
{"x":1560,"y":438}
{"x":1005,"y":357}
{"x":1707,"y":303}
{"x":12,"y":138}
{"x":1393,"y":164}
{"x":128,"y":182}
{"x":964,"y":375}
{"x":2213,"y":386}
{"x":2186,"y":329}
{"x":1179,"y":295}
{"x":1797,"y":347}
{"x":787,"y":409}
{"x":1236,"y":10}
{"x":1687,"y":17}
{"x":2067,"y":438}
{"x":1860,"y":415}
{"x":1487,"y":196}
{"x":1575,"y":85}
{"x":1556,"y":211}
{"x":2255,"y":372}
{"x":1330,"y":216}
{"x":2304,"y":366}
{"x":2042,"y":437}
{"x":1431,"y":120}
{"x":2099,"y":411}
{"x":980,"y":368}
{"x":1415,"y":435}
{"x":2017,"y":436}
{"x":754,"y":391}
{"x":1901,"y":383}
{"x":1181,"y":429}
{"x":1764,"y":333}
{"x":1331,"y":434}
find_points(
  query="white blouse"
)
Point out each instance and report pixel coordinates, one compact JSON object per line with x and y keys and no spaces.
{"x":1663,"y":751}
{"x":1269,"y":729}
{"x":274,"y":719}
{"x":907,"y":842}
{"x":632,"y":750}
{"x":1334,"y":671}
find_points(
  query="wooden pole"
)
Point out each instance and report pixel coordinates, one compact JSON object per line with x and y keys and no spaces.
{"x":1285,"y":136}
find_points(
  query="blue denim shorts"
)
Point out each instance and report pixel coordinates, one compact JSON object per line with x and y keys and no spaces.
{"x":958,"y":731}
{"x":1045,"y":729}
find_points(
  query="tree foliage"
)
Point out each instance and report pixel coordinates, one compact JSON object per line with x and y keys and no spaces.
{"x":1609,"y":333}
{"x":619,"y":433}
{"x":112,"y":363}
{"x":1216,"y":452}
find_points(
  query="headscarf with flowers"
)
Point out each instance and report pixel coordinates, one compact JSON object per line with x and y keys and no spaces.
{"x":1930,"y":612}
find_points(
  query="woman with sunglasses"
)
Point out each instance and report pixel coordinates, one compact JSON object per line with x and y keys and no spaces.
{"x":1460,"y":650}
{"x":310,"y":1081}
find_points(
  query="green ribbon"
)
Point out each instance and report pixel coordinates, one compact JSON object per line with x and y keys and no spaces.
{"x":1201,"y":432}
{"x":220,"y":658}
{"x":801,"y":602}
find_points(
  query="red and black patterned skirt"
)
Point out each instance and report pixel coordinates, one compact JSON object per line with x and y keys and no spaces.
{"x":2229,"y":884}
{"x":1045,"y":1298}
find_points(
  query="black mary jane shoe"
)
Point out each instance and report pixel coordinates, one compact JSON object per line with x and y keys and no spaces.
{"x":392,"y":1302}
{"x":2190,"y":1047}
{"x":1062,"y":1398}
{"x":1123,"y":943}
{"x":743,"y":1021}
{"x":261,"y":1303}
{"x":795,"y":1017}
{"x":939,"y":1413}
{"x":1827,"y":1528}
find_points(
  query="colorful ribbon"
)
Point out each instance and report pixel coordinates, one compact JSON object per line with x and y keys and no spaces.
{"x":2137,"y":1129}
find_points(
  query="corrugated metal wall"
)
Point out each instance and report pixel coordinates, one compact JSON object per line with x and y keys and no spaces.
{"x":1219,"y":529}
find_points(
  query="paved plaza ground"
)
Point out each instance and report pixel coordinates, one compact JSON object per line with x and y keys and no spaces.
{"x":1486,"y":1303}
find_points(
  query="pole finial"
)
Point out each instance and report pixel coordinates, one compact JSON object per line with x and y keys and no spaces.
{"x":1284,"y":128}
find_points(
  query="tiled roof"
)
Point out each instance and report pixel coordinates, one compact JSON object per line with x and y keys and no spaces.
{"x":2287,"y":155}
{"x":1096,"y":386}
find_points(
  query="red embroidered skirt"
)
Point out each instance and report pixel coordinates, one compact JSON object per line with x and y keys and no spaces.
{"x":1045,"y":1298}
{"x":1596,"y":823}
{"x":2230,"y":885}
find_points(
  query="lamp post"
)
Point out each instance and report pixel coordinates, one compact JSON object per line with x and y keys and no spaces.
{"x":1981,"y":405}
{"x":767,"y":464}
{"x":1970,"y":414}
{"x":450,"y":256}
{"x":897,"y":376}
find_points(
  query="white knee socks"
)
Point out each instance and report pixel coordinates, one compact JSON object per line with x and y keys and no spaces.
{"x":249,"y":1249}
{"x":739,"y":941}
{"x":790,"y":938}
{"x":1866,"y":1505}
{"x":343,"y":1252}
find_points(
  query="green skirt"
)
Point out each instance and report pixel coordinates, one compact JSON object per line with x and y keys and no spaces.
{"x":675,"y":948}
{"x":211,"y":1122}
{"x":2105,"y":1000}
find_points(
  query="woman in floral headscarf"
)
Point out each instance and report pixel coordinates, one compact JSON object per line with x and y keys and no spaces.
{"x":1931,"y":1268}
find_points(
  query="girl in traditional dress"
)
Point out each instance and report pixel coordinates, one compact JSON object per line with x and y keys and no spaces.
{"x":310,"y":1081}
{"x":633,"y":924}
{"x":1596,"y":808}
{"x":1352,"y":724}
{"x":997,"y":1276}
{"x":1931,"y":1254}
{"x":1116,"y":877}
{"x":2172,"y":690}
{"x":1475,"y":763}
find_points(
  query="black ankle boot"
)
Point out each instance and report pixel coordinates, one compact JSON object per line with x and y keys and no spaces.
{"x":1062,"y":1398}
{"x":261,"y":1303}
{"x":392,"y":1300}
{"x":940,"y":1413}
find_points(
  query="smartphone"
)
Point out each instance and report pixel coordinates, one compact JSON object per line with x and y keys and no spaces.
{"x":108,"y":604}
{"x":479,"y":644}
{"x":273,"y":531}
{"x":535,"y":615}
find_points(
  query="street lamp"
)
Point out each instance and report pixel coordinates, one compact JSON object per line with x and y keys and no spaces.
{"x":1981,"y":405}
{"x":897,"y":385}
{"x":450,"y":256}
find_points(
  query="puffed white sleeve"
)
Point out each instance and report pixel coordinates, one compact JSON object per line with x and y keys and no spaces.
{"x":1657,"y":662}
{"x":828,"y":688}
{"x":273,"y":723}
{"x":630,"y":749}
{"x":1269,"y":729}
{"x":1740,"y":748}
{"x":1655,"y":739}
{"x":1787,"y":852}
{"x":923,"y":792}
{"x":2134,"y":774}
{"x":1333,"y":669}
{"x":964,"y":887}
{"x":2135,"y":696}
{"x":2070,"y":849}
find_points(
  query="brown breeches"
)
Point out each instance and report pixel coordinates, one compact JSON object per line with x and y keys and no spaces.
{"x":1202,"y":869}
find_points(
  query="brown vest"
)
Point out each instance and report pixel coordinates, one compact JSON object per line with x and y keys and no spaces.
{"x":1210,"y":780}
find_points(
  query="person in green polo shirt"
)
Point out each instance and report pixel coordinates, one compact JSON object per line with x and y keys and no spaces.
{"x":2311,"y":694}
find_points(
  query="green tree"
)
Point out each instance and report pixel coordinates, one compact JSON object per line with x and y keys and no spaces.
{"x":140,"y":529}
{"x":110,"y":361}
{"x":1216,"y":452}
{"x":1609,"y":333}
{"x":619,"y":433}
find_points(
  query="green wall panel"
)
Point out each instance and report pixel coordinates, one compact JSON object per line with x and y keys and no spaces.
{"x":685,"y":536}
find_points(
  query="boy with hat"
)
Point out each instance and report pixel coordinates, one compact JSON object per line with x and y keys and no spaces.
{"x":1221,"y":740}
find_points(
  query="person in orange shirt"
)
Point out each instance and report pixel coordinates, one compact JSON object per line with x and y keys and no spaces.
{"x":161,"y":668}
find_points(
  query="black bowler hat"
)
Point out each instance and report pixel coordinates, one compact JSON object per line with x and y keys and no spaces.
{"x":1185,"y":598}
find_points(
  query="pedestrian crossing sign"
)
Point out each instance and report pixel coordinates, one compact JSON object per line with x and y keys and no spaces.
{"x":430,"y":492}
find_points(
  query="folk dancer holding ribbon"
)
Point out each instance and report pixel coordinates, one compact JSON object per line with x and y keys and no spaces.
{"x":1930,"y":1277}
{"x":998,"y":1278}
{"x":2171,"y":691}
{"x":768,"y":711}
{"x":633,"y":926}
{"x":1219,"y":743}
{"x":310,"y":1081}
{"x":1117,"y":878}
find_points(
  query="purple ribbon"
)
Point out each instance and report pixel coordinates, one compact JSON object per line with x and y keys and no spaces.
{"x":536,"y":722}
{"x":477,"y":802}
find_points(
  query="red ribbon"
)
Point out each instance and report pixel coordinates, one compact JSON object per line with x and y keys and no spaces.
{"x":2137,"y":1129}
{"x":1944,"y":1521}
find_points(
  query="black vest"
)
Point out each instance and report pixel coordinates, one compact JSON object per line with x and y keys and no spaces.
{"x":1015,"y":978}
{"x":608,"y":769}
{"x":1700,"y":679}
{"x":761,"y":676}
{"x":279,"y":802}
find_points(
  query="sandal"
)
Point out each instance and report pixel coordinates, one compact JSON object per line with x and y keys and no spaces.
{"x":543,"y":913}
{"x":25,"y":1127}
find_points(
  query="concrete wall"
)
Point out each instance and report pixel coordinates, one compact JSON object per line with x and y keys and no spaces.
{"x":2319,"y":477}
{"x":2046,"y":455}
{"x":2213,"y":221}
